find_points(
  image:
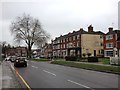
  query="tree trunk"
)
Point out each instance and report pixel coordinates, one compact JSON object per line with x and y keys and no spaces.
{"x":29,"y":51}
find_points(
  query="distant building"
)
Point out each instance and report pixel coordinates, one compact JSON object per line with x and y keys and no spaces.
{"x":36,"y":53}
{"x":17,"y":51}
{"x":112,"y":43}
{"x":11,"y":52}
{"x":47,"y":51}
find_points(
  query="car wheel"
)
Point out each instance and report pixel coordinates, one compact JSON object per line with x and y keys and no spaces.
{"x":25,"y":65}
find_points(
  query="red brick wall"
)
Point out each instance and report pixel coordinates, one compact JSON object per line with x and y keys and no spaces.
{"x":118,"y":45}
{"x":109,"y":41}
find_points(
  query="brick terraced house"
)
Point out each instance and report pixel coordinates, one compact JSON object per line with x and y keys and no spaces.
{"x":48,"y":51}
{"x":112,"y":43}
{"x":75,"y":43}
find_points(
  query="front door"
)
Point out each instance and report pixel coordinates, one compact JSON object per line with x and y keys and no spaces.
{"x":94,"y":53}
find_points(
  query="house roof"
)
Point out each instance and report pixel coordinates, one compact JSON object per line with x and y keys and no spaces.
{"x":81,"y":31}
{"x":95,"y":32}
{"x":114,"y":32}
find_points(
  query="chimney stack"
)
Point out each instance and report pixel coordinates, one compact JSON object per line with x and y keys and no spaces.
{"x":110,"y":29}
{"x":90,"y":29}
{"x":81,"y":29}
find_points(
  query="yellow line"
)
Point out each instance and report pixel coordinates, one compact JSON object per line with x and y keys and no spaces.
{"x":23,"y":81}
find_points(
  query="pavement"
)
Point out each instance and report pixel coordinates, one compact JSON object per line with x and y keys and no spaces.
{"x":45,"y":75}
{"x":0,"y":76}
{"x":8,"y":79}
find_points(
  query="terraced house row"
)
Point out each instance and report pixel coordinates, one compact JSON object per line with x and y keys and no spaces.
{"x":82,"y":43}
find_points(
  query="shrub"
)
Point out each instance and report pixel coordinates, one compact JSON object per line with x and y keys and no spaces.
{"x":71,"y":58}
{"x":84,"y":54}
{"x":89,"y":54}
{"x":92,"y":59}
{"x":100,"y":56}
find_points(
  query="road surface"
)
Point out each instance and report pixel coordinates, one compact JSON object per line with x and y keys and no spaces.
{"x":45,"y":75}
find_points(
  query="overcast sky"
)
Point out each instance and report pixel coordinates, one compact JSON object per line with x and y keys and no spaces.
{"x":59,"y":17}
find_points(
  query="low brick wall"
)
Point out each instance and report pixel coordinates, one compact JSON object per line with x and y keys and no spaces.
{"x":115,"y":60}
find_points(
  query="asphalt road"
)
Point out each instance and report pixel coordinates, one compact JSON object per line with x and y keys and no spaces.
{"x":45,"y":75}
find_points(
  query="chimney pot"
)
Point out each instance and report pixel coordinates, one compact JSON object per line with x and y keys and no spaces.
{"x":81,"y":28}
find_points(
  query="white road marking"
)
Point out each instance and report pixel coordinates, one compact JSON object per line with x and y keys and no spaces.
{"x":80,"y":84}
{"x":34,"y":67}
{"x":32,"y":61}
{"x":49,"y":72}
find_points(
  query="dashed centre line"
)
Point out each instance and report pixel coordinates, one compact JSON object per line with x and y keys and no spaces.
{"x":49,"y":72}
{"x":80,"y":84}
{"x":34,"y":67}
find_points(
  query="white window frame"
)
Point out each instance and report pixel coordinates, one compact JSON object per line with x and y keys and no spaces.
{"x":73,"y":37}
{"x":109,"y":45}
{"x":109,"y":37}
{"x":70,"y":38}
{"x":78,"y":36}
{"x":78,"y":43}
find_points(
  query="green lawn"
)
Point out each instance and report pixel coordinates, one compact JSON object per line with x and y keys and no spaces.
{"x":2,"y":59}
{"x":104,"y":60}
{"x":42,"y":59}
{"x":111,"y":69}
{"x":100,"y":60}
{"x":59,"y":59}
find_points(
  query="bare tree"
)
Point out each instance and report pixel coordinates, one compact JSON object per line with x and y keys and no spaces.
{"x":29,"y":30}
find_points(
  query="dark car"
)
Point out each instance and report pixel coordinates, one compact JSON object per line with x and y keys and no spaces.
{"x":20,"y":61}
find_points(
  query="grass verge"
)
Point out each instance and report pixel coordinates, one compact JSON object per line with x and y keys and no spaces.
{"x":104,"y":60}
{"x":109,"y":69}
{"x":41,"y":60}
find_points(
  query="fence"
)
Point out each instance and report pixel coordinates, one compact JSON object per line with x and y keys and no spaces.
{"x":115,"y":60}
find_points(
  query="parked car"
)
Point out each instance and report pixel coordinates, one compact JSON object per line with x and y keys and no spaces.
{"x":13,"y":58}
{"x":7,"y":58}
{"x":20,"y":61}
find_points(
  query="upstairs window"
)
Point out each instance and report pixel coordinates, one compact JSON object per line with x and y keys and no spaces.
{"x":78,"y":44}
{"x":109,"y":37}
{"x":109,"y":45}
{"x":101,"y":36}
{"x":73,"y":37}
{"x":70,"y":38}
{"x":78,"y":36}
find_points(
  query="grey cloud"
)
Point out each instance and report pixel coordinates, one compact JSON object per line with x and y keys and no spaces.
{"x":62,"y":16}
